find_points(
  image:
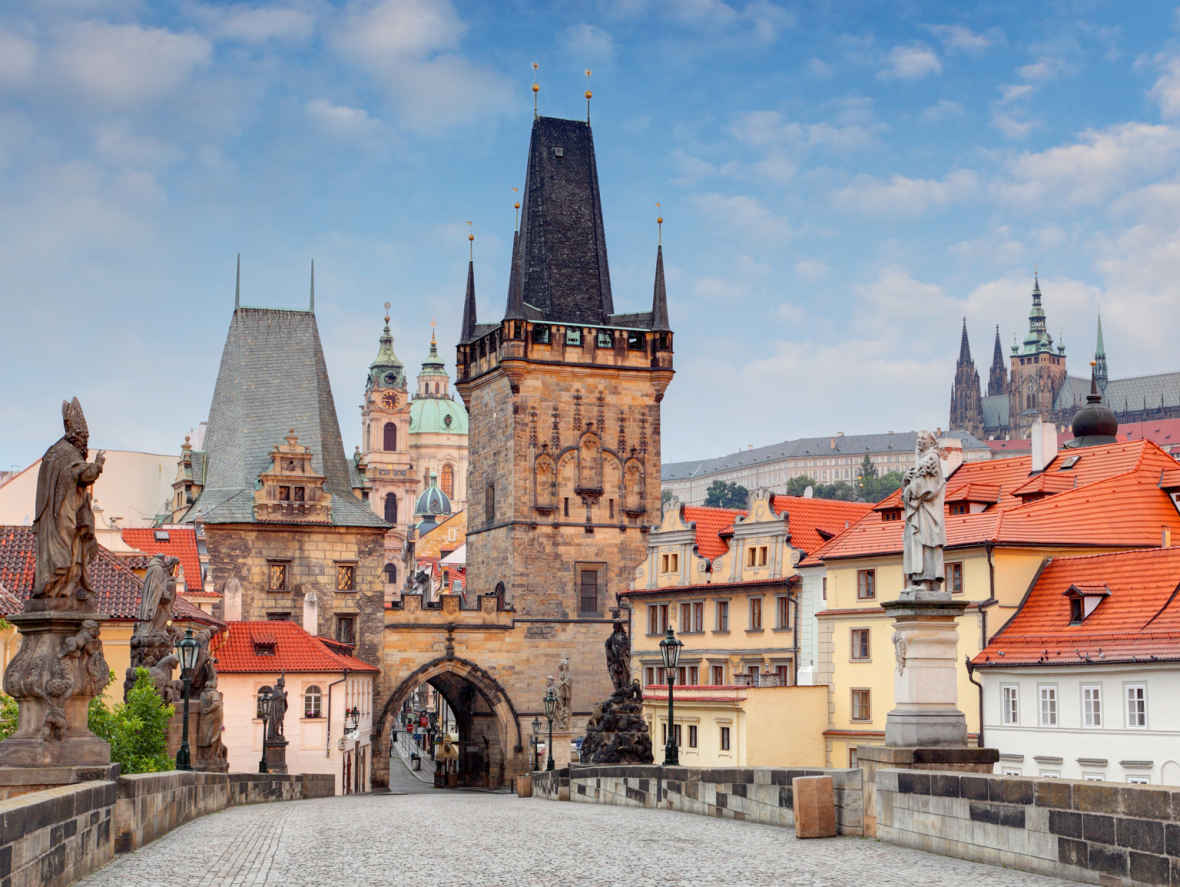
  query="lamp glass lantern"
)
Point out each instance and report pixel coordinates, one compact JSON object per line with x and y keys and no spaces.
{"x":187,"y":647}
{"x":670,"y":649}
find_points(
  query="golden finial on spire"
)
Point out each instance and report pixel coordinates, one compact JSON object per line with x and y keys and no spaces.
{"x":470,"y":243}
{"x":515,"y":211}
{"x":536,"y":89}
{"x":387,"y":314}
{"x":433,"y":338}
{"x":659,"y":228}
{"x":589,"y":94}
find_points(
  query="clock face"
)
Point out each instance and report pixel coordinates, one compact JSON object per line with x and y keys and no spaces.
{"x":390,"y":400}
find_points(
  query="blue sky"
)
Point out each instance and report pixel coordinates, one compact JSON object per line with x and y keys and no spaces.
{"x":841,"y":183}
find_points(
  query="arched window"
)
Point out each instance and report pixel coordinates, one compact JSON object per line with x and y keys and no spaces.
{"x":390,"y":442}
{"x":448,"y":481}
{"x":391,"y":573}
{"x":311,"y":702}
{"x":391,"y":508}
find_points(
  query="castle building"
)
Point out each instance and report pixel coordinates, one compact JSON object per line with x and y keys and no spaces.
{"x":1036,"y":385}
{"x":966,"y":403}
{"x":405,"y":441}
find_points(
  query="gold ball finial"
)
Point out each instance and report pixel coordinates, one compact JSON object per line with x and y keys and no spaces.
{"x":516,"y":205}
{"x":1093,"y":363}
{"x":536,"y":88}
{"x":659,"y":220}
{"x":589,"y":95}
{"x":471,"y":237}
{"x":387,"y":306}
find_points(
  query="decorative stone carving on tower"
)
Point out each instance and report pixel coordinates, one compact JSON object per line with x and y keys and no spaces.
{"x":966,"y":403}
{"x":60,"y":665}
{"x":292,"y":491}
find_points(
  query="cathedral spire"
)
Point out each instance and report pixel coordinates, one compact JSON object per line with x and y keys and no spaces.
{"x":964,"y":345}
{"x":1100,"y":373}
{"x":659,"y":299}
{"x":515,"y":300}
{"x":997,"y":382}
{"x":469,"y":304}
{"x":966,"y":403}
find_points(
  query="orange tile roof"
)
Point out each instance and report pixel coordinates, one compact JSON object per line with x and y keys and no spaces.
{"x":237,"y":650}
{"x":1139,"y":620}
{"x":812,"y":522}
{"x":711,"y":523}
{"x":1110,"y":496}
{"x":181,"y":543}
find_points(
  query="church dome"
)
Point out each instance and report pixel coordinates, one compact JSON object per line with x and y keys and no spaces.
{"x":437,"y":415}
{"x":1095,"y":423}
{"x":433,"y":501}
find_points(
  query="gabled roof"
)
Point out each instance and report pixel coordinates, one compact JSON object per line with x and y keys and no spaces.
{"x":117,"y":590}
{"x":812,"y":522}
{"x":1139,"y":620}
{"x":1110,"y":497}
{"x":272,"y":379}
{"x":239,"y":648}
{"x":711,"y":525}
{"x":181,"y":542}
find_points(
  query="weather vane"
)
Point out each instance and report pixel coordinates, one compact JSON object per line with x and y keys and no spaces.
{"x":536,"y":89}
{"x":589,"y":94}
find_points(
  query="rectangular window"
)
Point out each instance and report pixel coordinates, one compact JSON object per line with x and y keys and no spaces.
{"x":676,"y":734}
{"x":755,"y":614}
{"x":725,"y":739}
{"x":346,"y":577}
{"x":1010,"y":703}
{"x":489,"y":503}
{"x":861,"y":705}
{"x":860,"y":644}
{"x":1136,"y":705}
{"x":691,"y":675}
{"x":783,"y":673}
{"x":698,"y":616}
{"x":685,"y":617}
{"x":717,"y":675}
{"x":278,"y":616}
{"x":657,"y":618}
{"x":298,"y":492}
{"x":587,"y":590}
{"x":573,"y":337}
{"x":762,"y":555}
{"x":824,"y":588}
{"x":605,"y":340}
{"x":1092,"y":706}
{"x":276,"y":573}
{"x":782,"y":612}
{"x":751,"y":556}
{"x":636,"y":341}
{"x":722,"y":611}
{"x":649,"y":676}
{"x":1139,"y":780}
{"x":284,"y":494}
{"x":692,"y":736}
{"x":954,"y":577}
{"x":541,"y":334}
{"x":1048,"y":698}
{"x":752,"y":675}
{"x":866,"y":584}
{"x":346,"y":629}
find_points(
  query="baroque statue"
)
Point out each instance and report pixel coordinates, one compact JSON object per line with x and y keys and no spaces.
{"x":63,"y":522}
{"x":617,"y":732}
{"x":618,"y":656}
{"x":923,"y":490}
{"x":277,"y":712}
{"x":564,"y":694}
{"x":154,"y":638}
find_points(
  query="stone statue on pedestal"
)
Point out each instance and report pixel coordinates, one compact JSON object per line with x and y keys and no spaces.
{"x":618,"y":656}
{"x":616,"y":732}
{"x":153,"y":639}
{"x":564,"y":695}
{"x":211,"y":751}
{"x":60,"y":665}
{"x":923,"y":490}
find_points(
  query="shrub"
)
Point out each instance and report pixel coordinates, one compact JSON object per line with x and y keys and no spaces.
{"x":9,"y":711}
{"x":136,"y":729}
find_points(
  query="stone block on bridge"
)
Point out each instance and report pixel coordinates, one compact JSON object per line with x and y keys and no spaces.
{"x":815,"y":807}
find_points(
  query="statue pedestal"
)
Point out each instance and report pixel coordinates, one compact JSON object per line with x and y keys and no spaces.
{"x":57,"y":671}
{"x":925,"y":684}
{"x":274,"y":752}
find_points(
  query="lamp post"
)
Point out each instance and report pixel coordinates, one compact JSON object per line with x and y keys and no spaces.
{"x":264,"y":701}
{"x":352,"y":722}
{"x":536,"y":743}
{"x":187,"y":648}
{"x":670,"y":653}
{"x":550,"y":708}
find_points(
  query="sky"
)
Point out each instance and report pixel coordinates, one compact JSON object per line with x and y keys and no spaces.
{"x":841,"y":183}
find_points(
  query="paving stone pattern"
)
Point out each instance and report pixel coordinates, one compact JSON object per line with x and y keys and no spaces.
{"x":454,"y":838}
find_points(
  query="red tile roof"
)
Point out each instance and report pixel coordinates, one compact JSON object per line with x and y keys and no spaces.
{"x":240,"y":649}
{"x":117,"y":589}
{"x":711,"y":524}
{"x":812,"y":522}
{"x":1139,"y":620}
{"x":1111,"y":496}
{"x":181,"y":543}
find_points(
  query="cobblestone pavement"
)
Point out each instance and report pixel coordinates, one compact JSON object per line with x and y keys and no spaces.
{"x":455,"y":839}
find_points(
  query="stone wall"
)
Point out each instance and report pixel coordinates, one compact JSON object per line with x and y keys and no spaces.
{"x":1087,"y":831}
{"x":56,"y":836}
{"x":756,"y":794}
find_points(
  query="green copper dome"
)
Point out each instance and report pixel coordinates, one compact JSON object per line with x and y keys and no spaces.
{"x":437,"y":415}
{"x":386,"y":371}
{"x":433,"y":501}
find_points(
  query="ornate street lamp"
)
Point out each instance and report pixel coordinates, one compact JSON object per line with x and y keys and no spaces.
{"x":187,"y":648}
{"x":265,"y":697}
{"x":352,"y":719}
{"x":536,"y":743}
{"x":550,"y":708}
{"x":670,"y":652}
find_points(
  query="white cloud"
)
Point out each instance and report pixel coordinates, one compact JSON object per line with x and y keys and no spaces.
{"x":819,"y":68}
{"x":407,"y":45}
{"x":1015,"y":91}
{"x":943,"y":109}
{"x":1159,"y":202}
{"x":1044,"y":68}
{"x":745,"y":215}
{"x":18,"y":59}
{"x":118,"y":145}
{"x":963,"y":39}
{"x":341,"y":120}
{"x":910,"y":63}
{"x":997,"y":247}
{"x":127,"y":64}
{"x":811,"y":269}
{"x":718,"y":290}
{"x":1166,"y":91}
{"x":770,"y":129}
{"x":258,"y":24}
{"x":589,"y":43}
{"x":1012,"y":126}
{"x":903,"y":196}
{"x":1100,"y":164}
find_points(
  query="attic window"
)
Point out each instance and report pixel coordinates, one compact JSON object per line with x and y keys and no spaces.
{"x":264,"y":648}
{"x":1069,"y":462}
{"x":558,"y":151}
{"x":161,"y":535}
{"x":891,"y":514}
{"x":1083,"y":600}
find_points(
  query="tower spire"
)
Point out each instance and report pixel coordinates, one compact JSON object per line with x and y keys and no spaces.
{"x":997,"y":382}
{"x":469,"y":303}
{"x":311,"y":290}
{"x":964,"y":345}
{"x":659,"y":299}
{"x":1100,"y":372}
{"x":238,"y":284}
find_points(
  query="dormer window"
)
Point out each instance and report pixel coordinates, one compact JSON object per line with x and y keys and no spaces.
{"x":264,"y":648}
{"x":890,"y":514}
{"x":959,"y":508}
{"x":1084,"y":600}
{"x":541,"y":334}
{"x":1070,"y":462}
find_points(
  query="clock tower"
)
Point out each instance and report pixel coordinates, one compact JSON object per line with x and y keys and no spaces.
{"x":385,"y":431}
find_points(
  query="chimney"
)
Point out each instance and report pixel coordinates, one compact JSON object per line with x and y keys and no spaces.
{"x":231,"y":597}
{"x":311,"y":613}
{"x":1044,"y":444}
{"x":950,"y":454}
{"x":1165,"y":536}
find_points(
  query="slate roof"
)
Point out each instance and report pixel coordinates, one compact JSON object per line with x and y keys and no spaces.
{"x":808,"y":446}
{"x":995,"y":410}
{"x":1124,"y":395}
{"x":272,"y":378}
{"x":240,"y":649}
{"x":1138,"y":621}
{"x":1111,"y":496}
{"x":181,"y":543}
{"x":117,"y":590}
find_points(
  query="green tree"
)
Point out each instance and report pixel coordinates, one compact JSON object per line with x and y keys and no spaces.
{"x":665,"y":498}
{"x":9,"y":712}
{"x":866,"y":474}
{"x":724,"y":494}
{"x":797,"y":486}
{"x":136,"y":729}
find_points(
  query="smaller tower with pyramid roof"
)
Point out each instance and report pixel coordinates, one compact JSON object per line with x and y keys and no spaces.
{"x":966,"y":403}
